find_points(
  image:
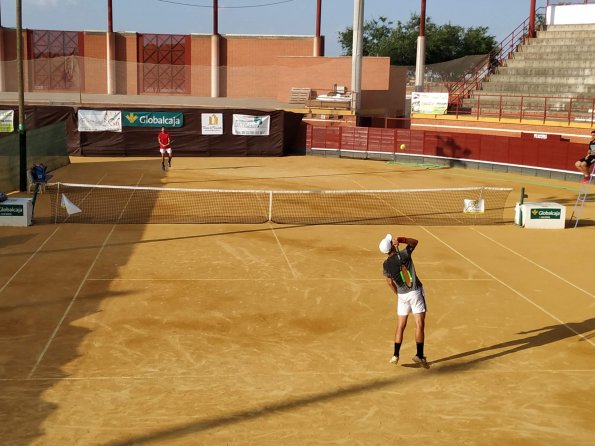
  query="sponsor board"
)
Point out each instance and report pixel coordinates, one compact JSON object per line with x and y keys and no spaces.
{"x":99,"y":121}
{"x":7,"y":121}
{"x":211,"y":123}
{"x":152,"y":119}
{"x":11,"y":210}
{"x":249,"y":125}
{"x":471,"y":206}
{"x":545,"y":214}
{"x":429,"y":103}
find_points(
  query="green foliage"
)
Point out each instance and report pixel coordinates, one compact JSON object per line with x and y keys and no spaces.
{"x":399,"y":42}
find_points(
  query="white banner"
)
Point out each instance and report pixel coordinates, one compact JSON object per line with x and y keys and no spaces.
{"x":7,"y":121}
{"x":429,"y":103}
{"x":212,"y":123}
{"x":251,"y":125}
{"x":100,"y":121}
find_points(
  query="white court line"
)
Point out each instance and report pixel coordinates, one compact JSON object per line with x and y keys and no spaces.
{"x":76,"y":294}
{"x":301,"y":279}
{"x":535,"y":264}
{"x":161,"y":377}
{"x":510,"y":288}
{"x":295,"y":276}
{"x":8,"y":282}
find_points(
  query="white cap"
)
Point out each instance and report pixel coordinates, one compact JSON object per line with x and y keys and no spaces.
{"x":386,"y":244}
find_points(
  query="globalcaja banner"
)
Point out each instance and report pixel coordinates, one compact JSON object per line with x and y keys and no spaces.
{"x":152,"y":119}
{"x":7,"y":121}
{"x":99,"y":121}
{"x":248,"y":125}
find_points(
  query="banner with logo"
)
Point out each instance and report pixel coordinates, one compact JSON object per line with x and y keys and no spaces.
{"x":7,"y":121}
{"x":211,"y":123}
{"x":251,"y":125}
{"x":99,"y":121}
{"x":152,"y":119}
{"x":429,"y":103}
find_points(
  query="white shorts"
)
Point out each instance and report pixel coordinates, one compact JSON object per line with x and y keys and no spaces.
{"x":411,"y":302}
{"x":168,"y":150}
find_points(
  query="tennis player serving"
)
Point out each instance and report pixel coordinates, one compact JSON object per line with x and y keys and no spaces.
{"x":164,"y":147}
{"x":399,"y":270}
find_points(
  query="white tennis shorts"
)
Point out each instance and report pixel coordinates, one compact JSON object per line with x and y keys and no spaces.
{"x":411,"y":302}
{"x":168,"y":150}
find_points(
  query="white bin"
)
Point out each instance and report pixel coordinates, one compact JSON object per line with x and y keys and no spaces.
{"x":541,"y":215}
{"x":16,"y":212}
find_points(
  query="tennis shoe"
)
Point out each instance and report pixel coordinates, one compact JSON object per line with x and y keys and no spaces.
{"x":585,"y":180}
{"x":421,"y":361}
{"x":394,"y":360}
{"x":162,"y":166}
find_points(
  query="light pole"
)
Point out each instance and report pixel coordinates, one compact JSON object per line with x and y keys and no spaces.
{"x":356,"y":56}
{"x":420,"y":66}
{"x":21,"y":94}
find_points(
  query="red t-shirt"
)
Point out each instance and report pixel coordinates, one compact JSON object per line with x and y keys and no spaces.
{"x":163,"y":140}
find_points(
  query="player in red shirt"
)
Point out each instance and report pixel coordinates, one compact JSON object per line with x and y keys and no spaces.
{"x":164,"y":146}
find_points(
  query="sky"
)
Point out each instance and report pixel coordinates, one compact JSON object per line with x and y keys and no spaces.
{"x":264,"y":17}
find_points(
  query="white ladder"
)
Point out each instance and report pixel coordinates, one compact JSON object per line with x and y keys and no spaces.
{"x":583,"y":193}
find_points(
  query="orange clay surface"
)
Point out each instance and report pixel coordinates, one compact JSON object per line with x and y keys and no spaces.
{"x":281,"y":335}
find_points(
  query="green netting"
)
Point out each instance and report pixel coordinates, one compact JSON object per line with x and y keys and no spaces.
{"x":47,"y":145}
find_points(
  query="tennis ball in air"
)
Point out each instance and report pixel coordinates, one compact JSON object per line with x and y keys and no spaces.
{"x":403,"y":146}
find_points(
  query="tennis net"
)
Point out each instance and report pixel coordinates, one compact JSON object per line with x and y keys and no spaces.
{"x":86,"y":203}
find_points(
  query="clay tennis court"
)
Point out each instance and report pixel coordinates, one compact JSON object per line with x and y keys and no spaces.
{"x":271,"y":334}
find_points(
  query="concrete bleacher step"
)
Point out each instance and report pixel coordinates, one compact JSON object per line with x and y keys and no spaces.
{"x":552,"y":55}
{"x":574,"y":27}
{"x":532,"y":88}
{"x":558,"y":41}
{"x":548,"y":63}
{"x":556,"y":47}
{"x":549,"y":71}
{"x":564,"y":34}
{"x":542,"y":79}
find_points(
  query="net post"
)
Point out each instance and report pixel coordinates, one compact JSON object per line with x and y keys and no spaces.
{"x":270,"y":205}
{"x":56,"y":204}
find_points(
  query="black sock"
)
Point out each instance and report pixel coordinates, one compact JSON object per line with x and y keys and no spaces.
{"x":420,"y":349}
{"x":397,"y":349}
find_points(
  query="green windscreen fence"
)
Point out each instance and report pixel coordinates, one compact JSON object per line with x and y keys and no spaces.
{"x":47,"y":145}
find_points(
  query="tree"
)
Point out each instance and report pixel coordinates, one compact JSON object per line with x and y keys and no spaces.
{"x":399,"y":42}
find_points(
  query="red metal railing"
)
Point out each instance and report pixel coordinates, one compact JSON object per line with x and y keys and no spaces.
{"x":474,"y":77}
{"x":529,"y":108}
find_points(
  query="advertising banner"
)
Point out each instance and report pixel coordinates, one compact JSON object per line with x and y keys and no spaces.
{"x":251,"y":125}
{"x":429,"y":103}
{"x":211,"y":123}
{"x":99,"y":121}
{"x":153,"y":119}
{"x":7,"y":121}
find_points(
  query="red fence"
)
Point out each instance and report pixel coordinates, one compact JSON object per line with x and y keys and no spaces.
{"x":531,"y":150}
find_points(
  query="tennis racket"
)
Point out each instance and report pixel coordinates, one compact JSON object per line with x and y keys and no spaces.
{"x":405,"y":274}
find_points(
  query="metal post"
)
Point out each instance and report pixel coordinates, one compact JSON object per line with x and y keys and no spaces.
{"x":111,"y":43}
{"x":215,"y":49}
{"x":317,"y":37}
{"x":532,"y":19}
{"x":421,"y":50}
{"x":21,"y":95}
{"x":357,"y":55}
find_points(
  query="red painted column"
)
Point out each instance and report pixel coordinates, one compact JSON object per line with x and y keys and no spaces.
{"x":532,"y":19}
